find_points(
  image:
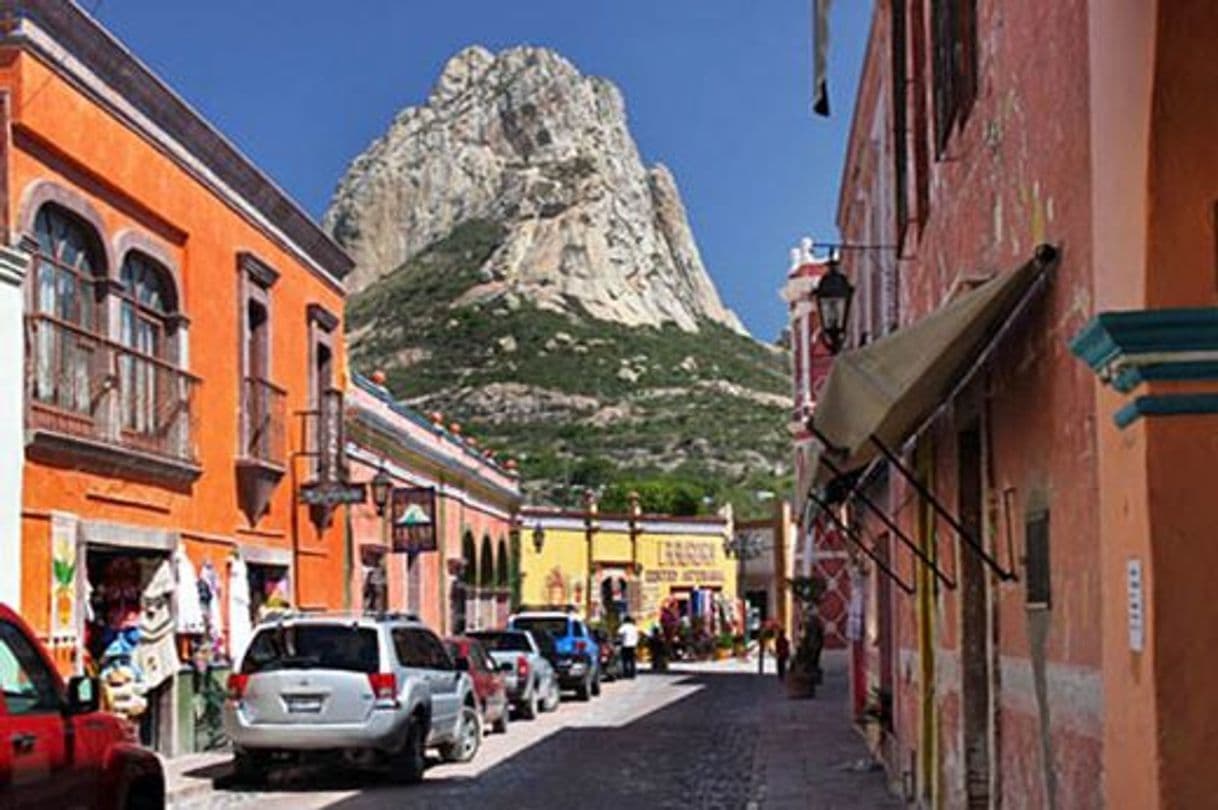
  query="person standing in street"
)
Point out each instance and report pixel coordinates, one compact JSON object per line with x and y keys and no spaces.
{"x":629,"y":636}
{"x":782,"y":652}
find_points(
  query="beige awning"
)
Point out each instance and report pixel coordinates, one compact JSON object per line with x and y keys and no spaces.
{"x":887,"y":389}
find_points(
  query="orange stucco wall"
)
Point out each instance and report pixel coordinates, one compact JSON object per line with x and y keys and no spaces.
{"x":59,"y":134}
{"x":1153,"y":126}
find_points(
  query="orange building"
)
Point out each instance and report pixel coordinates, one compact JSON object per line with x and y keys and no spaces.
{"x":184,"y":363}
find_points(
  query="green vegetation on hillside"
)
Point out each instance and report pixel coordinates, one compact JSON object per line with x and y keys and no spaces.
{"x":678,"y":436}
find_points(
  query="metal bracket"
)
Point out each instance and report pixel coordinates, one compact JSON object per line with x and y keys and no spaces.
{"x":929,"y":497}
{"x":858,"y":541}
{"x":949,"y":582}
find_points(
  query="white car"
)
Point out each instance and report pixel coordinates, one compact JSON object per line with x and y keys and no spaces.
{"x":377,"y":690}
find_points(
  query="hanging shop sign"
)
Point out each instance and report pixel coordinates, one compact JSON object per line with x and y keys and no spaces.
{"x":332,"y":493}
{"x":414,"y":519}
{"x":331,"y":464}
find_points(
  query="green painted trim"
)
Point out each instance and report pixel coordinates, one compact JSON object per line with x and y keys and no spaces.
{"x":1130,"y":377}
{"x":1109,"y":335}
{"x":1166,"y":405}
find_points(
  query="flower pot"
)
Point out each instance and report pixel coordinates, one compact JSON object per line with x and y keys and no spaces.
{"x":800,"y":684}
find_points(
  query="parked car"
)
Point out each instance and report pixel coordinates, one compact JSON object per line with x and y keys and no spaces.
{"x":490,"y":685}
{"x":610,"y":655}
{"x":376,"y":689}
{"x":531,"y":683}
{"x":578,"y":659}
{"x":59,"y":750}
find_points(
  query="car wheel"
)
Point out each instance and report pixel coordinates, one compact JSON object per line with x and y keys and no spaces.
{"x":250,"y":767}
{"x":500,"y":726}
{"x":554,"y":698}
{"x":469,"y":737}
{"x":596,"y":684}
{"x":584,"y":690}
{"x":528,"y":708}
{"x":147,"y":793}
{"x":410,"y":762}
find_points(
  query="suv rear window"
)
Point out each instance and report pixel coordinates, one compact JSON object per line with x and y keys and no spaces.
{"x":556,"y":627}
{"x":504,"y":642}
{"x":313,"y":646}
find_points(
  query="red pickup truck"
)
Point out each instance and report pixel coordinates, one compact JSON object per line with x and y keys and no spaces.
{"x":56,"y":749}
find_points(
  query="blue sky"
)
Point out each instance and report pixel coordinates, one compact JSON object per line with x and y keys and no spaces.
{"x":716,"y":89}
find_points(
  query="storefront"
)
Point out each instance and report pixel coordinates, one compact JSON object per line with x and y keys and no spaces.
{"x":648,"y":565}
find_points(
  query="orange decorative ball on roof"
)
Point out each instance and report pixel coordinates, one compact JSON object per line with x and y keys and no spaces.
{"x":378,"y":377}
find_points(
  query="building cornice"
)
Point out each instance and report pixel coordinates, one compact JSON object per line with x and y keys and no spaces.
{"x":71,"y":43}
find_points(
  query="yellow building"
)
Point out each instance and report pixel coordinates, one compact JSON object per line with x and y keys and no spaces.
{"x":640,"y":561}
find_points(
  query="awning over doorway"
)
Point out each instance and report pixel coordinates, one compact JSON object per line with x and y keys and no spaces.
{"x":882,"y":393}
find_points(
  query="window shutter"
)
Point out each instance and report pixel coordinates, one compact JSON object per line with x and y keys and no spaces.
{"x":1036,"y":560}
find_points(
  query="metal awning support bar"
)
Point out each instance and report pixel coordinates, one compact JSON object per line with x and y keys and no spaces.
{"x":890,"y":523}
{"x":941,"y":511}
{"x":858,"y":541}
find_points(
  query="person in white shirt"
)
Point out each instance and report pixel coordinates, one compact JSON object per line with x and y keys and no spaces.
{"x":629,"y":636}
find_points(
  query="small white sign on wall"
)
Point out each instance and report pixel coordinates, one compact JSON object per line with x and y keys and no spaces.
{"x":1135,"y":604}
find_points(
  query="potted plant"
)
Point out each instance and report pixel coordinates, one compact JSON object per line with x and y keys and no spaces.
{"x":723,"y":646}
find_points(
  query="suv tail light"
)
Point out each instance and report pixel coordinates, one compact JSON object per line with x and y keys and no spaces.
{"x":384,"y":689}
{"x":581,"y":647}
{"x":236,"y":685}
{"x":522,"y":667}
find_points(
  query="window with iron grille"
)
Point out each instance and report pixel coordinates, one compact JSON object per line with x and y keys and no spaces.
{"x":954,"y":34}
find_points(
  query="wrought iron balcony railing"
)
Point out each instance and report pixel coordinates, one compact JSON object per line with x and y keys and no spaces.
{"x":86,"y":386}
{"x":263,"y":421}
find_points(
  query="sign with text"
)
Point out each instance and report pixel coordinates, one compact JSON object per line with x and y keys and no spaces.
{"x":330,"y":441}
{"x":687,"y":552}
{"x":331,"y":493}
{"x":1136,"y":605}
{"x":414,"y":519}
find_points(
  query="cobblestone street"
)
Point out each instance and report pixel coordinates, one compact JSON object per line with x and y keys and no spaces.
{"x":710,"y":736}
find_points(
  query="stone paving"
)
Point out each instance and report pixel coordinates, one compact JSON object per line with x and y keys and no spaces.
{"x":705,"y":737}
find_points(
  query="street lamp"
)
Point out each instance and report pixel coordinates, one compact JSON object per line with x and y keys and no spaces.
{"x":381,"y":484}
{"x":590,"y":528}
{"x":833,"y":295}
{"x":539,"y":537}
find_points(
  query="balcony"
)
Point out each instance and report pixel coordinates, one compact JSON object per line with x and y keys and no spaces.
{"x":263,"y":416}
{"x":262,"y":455}
{"x":94,"y":401}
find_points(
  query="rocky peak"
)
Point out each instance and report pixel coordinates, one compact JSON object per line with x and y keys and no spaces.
{"x":523,"y":139}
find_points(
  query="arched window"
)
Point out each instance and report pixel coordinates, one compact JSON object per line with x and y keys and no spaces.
{"x":501,"y":570}
{"x":486,"y":573}
{"x":147,"y":378}
{"x":469,"y":570}
{"x":68,"y":282}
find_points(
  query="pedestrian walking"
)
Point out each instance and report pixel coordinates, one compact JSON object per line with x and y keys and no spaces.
{"x":782,"y":652}
{"x":629,"y":636}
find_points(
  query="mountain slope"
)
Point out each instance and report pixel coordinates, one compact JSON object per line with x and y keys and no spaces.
{"x":500,"y":284}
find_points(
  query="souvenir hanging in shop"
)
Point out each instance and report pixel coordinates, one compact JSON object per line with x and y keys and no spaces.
{"x":157,"y":653}
{"x":189,"y":610}
{"x":114,"y":634}
{"x":239,"y":624}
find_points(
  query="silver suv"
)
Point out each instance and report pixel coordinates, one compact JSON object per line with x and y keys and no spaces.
{"x":376,"y":689}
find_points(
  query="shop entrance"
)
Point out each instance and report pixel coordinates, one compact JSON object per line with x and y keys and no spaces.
{"x":375,"y":596}
{"x":130,"y":637}
{"x":270,"y":590}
